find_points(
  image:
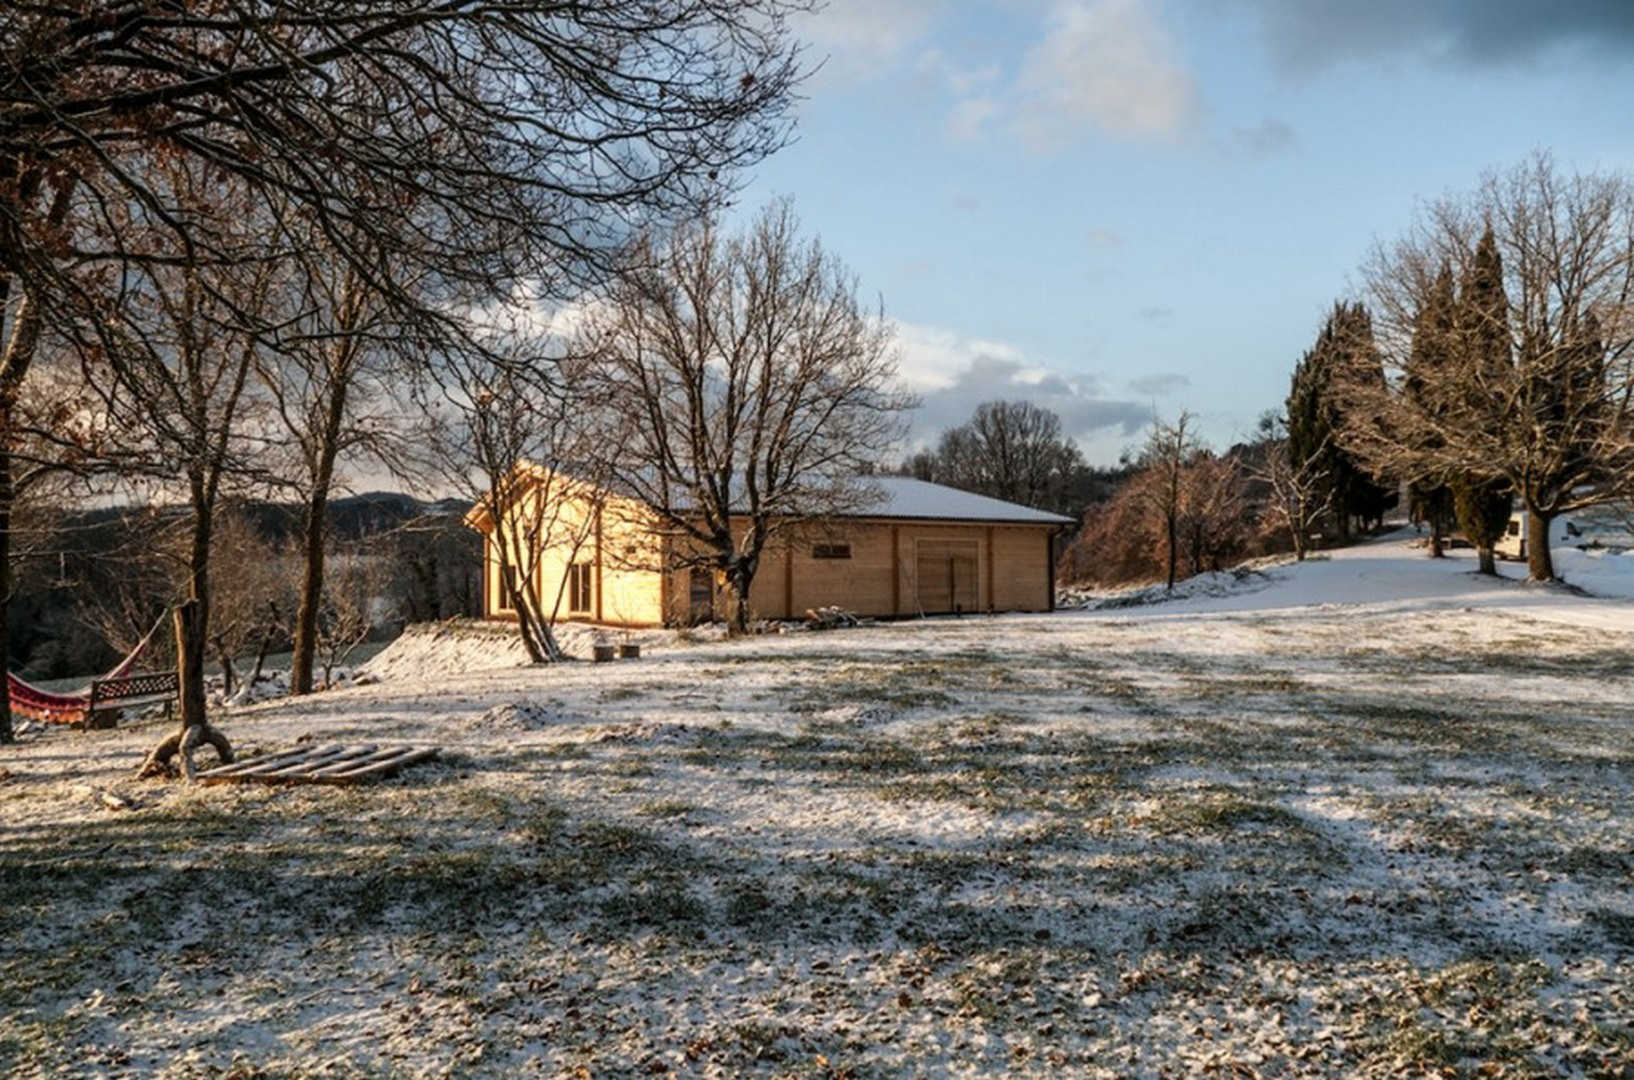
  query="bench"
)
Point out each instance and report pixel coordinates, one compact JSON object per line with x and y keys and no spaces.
{"x":109,"y":697}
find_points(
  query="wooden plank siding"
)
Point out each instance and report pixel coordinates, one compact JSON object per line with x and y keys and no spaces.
{"x":1010,"y":568}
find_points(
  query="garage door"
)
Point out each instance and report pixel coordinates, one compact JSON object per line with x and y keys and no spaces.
{"x":946,"y":575}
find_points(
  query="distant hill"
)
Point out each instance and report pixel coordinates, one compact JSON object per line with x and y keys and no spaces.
{"x":435,"y":566}
{"x":351,"y":517}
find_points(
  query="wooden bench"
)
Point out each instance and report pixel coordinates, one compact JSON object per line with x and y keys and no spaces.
{"x":109,"y":697}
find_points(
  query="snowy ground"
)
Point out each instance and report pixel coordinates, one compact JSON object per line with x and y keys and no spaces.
{"x":1373,"y":817}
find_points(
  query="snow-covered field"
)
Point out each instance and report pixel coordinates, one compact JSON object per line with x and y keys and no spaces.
{"x":1372,"y":816}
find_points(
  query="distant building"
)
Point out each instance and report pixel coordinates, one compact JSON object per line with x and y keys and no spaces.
{"x":920,"y":549}
{"x":1607,"y":527}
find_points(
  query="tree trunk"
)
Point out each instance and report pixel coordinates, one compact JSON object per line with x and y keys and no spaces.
{"x":1488,"y":561}
{"x":228,"y":676}
{"x":190,"y":664}
{"x":1540,"y":562}
{"x":192,"y":623}
{"x":6,"y":734}
{"x":265,"y":644}
{"x":1169,"y":525}
{"x":740,"y":575}
{"x":313,"y":530}
{"x":1438,"y":547}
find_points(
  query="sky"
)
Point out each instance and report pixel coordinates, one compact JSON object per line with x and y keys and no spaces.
{"x":1121,"y":208}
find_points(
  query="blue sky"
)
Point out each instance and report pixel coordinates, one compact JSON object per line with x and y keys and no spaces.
{"x":1116,"y":206}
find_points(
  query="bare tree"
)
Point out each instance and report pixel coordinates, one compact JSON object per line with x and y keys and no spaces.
{"x":1013,"y":450}
{"x":530,"y":138}
{"x":251,"y":594}
{"x":176,"y":379}
{"x":1169,"y":449}
{"x":31,"y":431}
{"x":1213,"y":510}
{"x":353,"y":607}
{"x":525,"y":441}
{"x":1300,"y":491}
{"x":339,"y":355}
{"x":1541,"y":393}
{"x":524,"y":142}
{"x":755,"y":387}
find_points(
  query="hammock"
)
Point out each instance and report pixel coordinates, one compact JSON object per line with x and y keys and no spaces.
{"x":33,"y":703}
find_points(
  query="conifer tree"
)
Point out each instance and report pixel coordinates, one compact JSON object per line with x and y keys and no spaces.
{"x":1483,"y":509}
{"x":1431,"y":353}
{"x":1482,"y":499}
{"x":1315,"y":414}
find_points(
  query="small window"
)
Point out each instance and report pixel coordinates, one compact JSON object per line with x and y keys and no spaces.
{"x":578,"y":588}
{"x":1514,"y":528}
{"x":831,"y":551}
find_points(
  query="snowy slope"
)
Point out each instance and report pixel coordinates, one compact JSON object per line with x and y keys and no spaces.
{"x":1395,"y":572}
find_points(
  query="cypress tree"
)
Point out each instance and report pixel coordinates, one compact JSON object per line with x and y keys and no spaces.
{"x":1432,"y":351}
{"x":1482,"y":501}
{"x":1483,"y":509}
{"x":1316,"y":415}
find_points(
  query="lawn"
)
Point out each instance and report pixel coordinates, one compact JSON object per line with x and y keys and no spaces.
{"x":1341,"y":842}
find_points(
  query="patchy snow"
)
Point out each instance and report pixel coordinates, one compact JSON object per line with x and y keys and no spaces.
{"x":460,"y":646}
{"x":1249,"y":577}
{"x":1601,"y":572}
{"x":1370,"y":819}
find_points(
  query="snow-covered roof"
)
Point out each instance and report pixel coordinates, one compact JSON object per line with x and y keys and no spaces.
{"x":900,"y":497}
{"x":905,"y":497}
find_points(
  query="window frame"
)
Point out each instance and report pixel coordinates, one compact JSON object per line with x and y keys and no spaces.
{"x":579,"y":588}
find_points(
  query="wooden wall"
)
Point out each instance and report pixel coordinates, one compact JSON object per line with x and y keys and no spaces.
{"x":1012,"y":570}
{"x":977,"y":567}
{"x":623,"y":553}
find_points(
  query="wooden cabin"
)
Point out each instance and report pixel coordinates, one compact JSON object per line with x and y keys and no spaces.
{"x":919,"y":549}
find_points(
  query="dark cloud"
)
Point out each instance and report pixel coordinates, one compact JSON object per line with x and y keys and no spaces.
{"x":1159,"y":385}
{"x":1305,"y":36}
{"x":1076,"y":399}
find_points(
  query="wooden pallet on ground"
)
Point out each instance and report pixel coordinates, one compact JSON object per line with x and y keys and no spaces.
{"x":332,"y":764}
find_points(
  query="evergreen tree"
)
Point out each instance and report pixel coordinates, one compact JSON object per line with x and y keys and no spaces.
{"x":1432,"y":351}
{"x":1483,"y":509}
{"x":1315,"y":415}
{"x":1482,"y":500}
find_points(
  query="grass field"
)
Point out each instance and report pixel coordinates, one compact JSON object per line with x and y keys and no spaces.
{"x":1323,"y":842}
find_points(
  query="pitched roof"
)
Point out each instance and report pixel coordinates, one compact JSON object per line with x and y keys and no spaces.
{"x":899,"y":497}
{"x":905,"y":497}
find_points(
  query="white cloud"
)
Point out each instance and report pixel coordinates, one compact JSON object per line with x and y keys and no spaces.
{"x":1107,"y":65}
{"x":953,"y":374}
{"x":855,"y":39}
{"x":968,"y":119}
{"x":936,"y":67}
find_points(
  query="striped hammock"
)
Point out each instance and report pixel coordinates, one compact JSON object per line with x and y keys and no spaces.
{"x":28,"y":700}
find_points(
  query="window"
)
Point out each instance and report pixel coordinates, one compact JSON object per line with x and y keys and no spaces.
{"x":1514,"y":528}
{"x":578,"y":588}
{"x":831,"y":551}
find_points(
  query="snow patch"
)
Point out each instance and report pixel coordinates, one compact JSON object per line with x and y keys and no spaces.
{"x":524,"y":716}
